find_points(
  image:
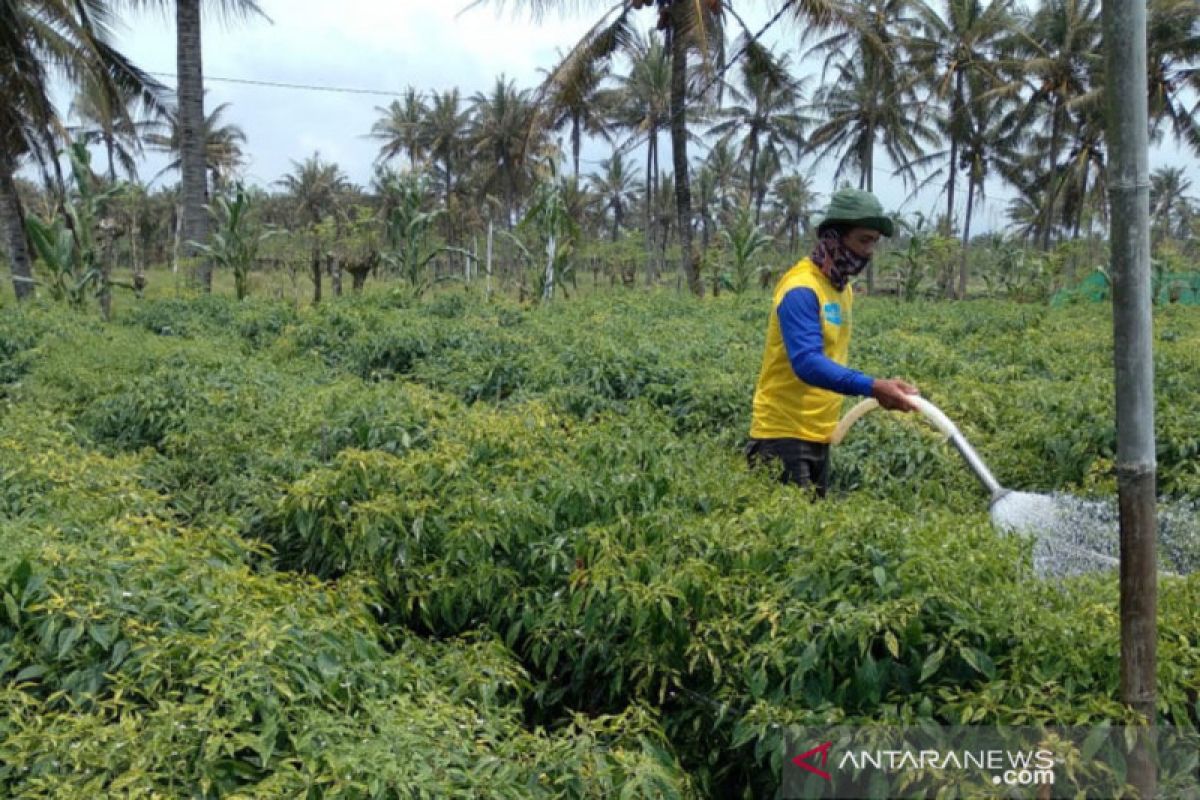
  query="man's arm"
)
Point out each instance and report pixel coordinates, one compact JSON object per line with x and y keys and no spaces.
{"x":800,"y":324}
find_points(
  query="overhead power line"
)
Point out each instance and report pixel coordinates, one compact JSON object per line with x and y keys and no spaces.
{"x":281,"y":85}
{"x":625,"y":148}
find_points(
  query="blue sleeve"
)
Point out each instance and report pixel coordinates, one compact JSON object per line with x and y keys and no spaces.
{"x":800,"y":324}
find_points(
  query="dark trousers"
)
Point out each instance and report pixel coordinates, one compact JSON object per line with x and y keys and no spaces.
{"x":798,"y":461}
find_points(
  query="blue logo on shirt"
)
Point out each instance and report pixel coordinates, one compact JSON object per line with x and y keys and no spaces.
{"x":833,"y":313}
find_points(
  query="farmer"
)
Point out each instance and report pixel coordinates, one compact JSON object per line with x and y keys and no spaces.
{"x":798,"y":398}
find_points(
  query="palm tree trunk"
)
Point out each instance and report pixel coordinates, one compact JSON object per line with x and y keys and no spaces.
{"x":869,"y":162}
{"x":651,"y":147}
{"x":1080,"y":208}
{"x":14,"y":229}
{"x":966,"y":241}
{"x":110,"y":147}
{"x":869,"y":174}
{"x":689,"y":258}
{"x":315,"y":267}
{"x":955,"y":113}
{"x":1048,"y":197}
{"x":194,"y":178}
{"x":107,"y":256}
{"x":135,"y":254}
{"x":575,"y":143}
{"x":446,"y":163}
{"x":511,"y":193}
{"x":754,"y":172}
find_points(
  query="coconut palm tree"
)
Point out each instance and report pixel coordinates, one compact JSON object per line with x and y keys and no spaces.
{"x":726,"y":171}
{"x":859,"y":111}
{"x":222,"y":146}
{"x":615,"y":189}
{"x":1173,"y":58}
{"x":952,"y":48}
{"x":664,"y":219}
{"x":1083,"y":175}
{"x":643,"y":108}
{"x":498,"y":142}
{"x":794,"y":201}
{"x":765,"y":112}
{"x":317,"y":188}
{"x":692,"y":27}
{"x":769,"y":167}
{"x":99,"y":122}
{"x":1056,"y":58}
{"x":1025,"y":212}
{"x":705,"y":204}
{"x":444,"y":137}
{"x":572,"y":96}
{"x":987,"y":143}
{"x":41,"y":40}
{"x":189,"y":71}
{"x":870,"y":98}
{"x":1170,"y":205}
{"x":400,"y":128}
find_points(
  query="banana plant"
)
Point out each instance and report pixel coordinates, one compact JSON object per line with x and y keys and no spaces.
{"x":235,"y":244}
{"x":911,"y":265}
{"x":54,"y":245}
{"x":743,"y":239}
{"x":65,"y":244}
{"x":550,"y":223}
{"x":924,"y":257}
{"x":408,"y":232}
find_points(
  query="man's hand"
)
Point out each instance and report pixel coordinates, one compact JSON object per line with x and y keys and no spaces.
{"x":892,"y":394}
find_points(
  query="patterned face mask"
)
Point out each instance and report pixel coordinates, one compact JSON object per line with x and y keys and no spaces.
{"x":836,"y":260}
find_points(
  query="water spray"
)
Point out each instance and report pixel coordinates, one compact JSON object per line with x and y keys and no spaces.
{"x":1071,"y":535}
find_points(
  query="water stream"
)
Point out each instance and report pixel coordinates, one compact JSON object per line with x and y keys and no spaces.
{"x":1071,"y":535}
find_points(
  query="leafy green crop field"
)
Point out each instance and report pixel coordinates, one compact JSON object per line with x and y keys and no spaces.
{"x":391,"y":550}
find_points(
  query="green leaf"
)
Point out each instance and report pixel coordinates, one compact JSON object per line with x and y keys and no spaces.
{"x":893,"y":646}
{"x":103,"y":634}
{"x":14,"y":611}
{"x":67,"y":638}
{"x":979,"y":661}
{"x":18,"y":579}
{"x":120,"y":650}
{"x":932,"y":662}
{"x":30,"y":673}
{"x":1094,"y":741}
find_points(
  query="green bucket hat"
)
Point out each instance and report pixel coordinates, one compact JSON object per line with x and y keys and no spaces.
{"x":858,"y":208}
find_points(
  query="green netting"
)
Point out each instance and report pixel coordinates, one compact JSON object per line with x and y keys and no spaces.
{"x":1182,"y":288}
{"x":1095,"y":288}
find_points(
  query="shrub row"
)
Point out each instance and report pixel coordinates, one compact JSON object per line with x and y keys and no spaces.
{"x":538,"y":525}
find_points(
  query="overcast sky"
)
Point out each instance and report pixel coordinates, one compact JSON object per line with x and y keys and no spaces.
{"x":387,"y":45}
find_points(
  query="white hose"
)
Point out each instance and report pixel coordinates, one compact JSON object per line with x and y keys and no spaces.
{"x":939,"y":421}
{"x":931,"y":412}
{"x":852,"y":417}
